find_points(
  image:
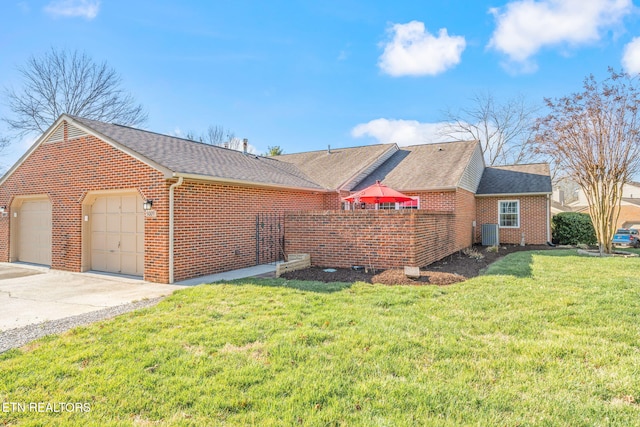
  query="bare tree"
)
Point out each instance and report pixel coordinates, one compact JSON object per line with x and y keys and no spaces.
{"x":593,"y":136}
{"x":4,"y":143}
{"x":504,"y":129}
{"x":217,"y":135}
{"x":68,"y":82}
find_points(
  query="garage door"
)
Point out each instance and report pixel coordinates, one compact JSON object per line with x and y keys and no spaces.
{"x":117,"y":235}
{"x":34,"y":232}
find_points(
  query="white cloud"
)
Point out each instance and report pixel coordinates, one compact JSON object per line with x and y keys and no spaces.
{"x":526,"y":26}
{"x":412,"y":51}
{"x":631,"y":56}
{"x":87,"y":9}
{"x":403,"y":132}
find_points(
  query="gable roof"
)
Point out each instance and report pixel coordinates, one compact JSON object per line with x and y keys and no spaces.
{"x":340,"y":168}
{"x":415,"y":168}
{"x":515,"y":179}
{"x":175,"y":156}
{"x":425,"y":167}
{"x":183,"y":156}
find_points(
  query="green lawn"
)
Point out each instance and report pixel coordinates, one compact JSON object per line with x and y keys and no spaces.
{"x":544,"y":338}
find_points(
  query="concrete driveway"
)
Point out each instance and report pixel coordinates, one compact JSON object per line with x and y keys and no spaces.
{"x":31,"y":294}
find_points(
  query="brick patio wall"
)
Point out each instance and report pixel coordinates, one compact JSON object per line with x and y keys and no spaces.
{"x":215,"y":224}
{"x":382,"y":239}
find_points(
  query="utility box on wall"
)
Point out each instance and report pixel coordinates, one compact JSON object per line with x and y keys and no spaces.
{"x":490,"y":235}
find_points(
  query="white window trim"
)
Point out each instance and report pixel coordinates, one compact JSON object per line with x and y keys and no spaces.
{"x":518,"y":213}
{"x":399,"y":205}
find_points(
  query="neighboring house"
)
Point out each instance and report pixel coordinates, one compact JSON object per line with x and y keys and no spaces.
{"x":90,"y":195}
{"x":629,"y":208}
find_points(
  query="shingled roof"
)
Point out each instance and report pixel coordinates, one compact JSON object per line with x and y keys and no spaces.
{"x":515,"y":179}
{"x":424,"y":167}
{"x":414,"y":168}
{"x":189,"y":157}
{"x":337,"y":168}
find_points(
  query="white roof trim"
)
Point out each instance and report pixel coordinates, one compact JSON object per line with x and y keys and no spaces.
{"x":166,"y":171}
{"x":45,"y":136}
{"x":57,"y":135}
{"x":512,"y":194}
{"x":196,"y":177}
{"x":31,"y":149}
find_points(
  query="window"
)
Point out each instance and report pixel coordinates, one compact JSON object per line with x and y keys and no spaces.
{"x":412,"y":204}
{"x":387,"y":205}
{"x":509,"y":213}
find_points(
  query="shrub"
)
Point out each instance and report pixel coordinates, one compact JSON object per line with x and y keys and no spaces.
{"x":572,"y":228}
{"x":472,"y":253}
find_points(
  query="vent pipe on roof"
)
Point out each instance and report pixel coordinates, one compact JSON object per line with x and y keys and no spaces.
{"x":245,"y":145}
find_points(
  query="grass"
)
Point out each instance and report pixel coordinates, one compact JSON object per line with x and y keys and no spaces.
{"x":543,"y":338}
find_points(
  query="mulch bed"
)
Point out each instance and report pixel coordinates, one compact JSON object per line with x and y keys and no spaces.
{"x":452,"y":269}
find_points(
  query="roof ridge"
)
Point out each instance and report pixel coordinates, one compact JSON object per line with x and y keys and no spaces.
{"x":335,"y":148}
{"x":519,"y":164}
{"x":278,"y":163}
{"x":161,"y":134}
{"x":441,"y":143}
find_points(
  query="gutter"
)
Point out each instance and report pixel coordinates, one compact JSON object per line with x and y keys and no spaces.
{"x":243,"y":183}
{"x":172,"y":227}
{"x":548,"y":218}
{"x":513,"y":194}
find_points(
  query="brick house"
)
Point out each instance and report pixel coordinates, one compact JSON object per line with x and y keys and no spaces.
{"x":90,"y":195}
{"x":629,"y":216}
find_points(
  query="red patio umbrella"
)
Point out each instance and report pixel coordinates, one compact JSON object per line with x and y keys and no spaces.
{"x":377,"y":193}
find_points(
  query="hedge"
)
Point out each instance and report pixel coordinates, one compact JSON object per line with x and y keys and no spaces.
{"x":572,"y":228}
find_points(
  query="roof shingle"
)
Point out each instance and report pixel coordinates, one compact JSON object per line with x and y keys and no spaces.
{"x":424,"y":167}
{"x":334,"y":168}
{"x":516,"y":179}
{"x":190,"y":157}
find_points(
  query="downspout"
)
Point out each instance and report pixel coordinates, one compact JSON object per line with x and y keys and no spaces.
{"x":548,"y":218}
{"x":172,"y":227}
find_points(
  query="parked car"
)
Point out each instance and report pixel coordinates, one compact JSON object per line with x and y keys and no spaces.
{"x":627,"y":237}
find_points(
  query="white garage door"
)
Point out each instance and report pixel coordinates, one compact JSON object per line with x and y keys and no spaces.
{"x":34,"y":234}
{"x":117,"y":235}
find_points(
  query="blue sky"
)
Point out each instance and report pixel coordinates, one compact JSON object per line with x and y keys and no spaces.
{"x":305,"y":74}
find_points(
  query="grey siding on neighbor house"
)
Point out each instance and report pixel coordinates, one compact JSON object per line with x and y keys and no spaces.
{"x":473,"y":173}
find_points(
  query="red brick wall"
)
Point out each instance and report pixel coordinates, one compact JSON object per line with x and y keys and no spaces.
{"x":465,"y":212}
{"x":215,"y":224}
{"x":533,"y":219}
{"x":383,"y":238}
{"x":66,"y":171}
{"x":442,"y":201}
{"x":628,"y":214}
